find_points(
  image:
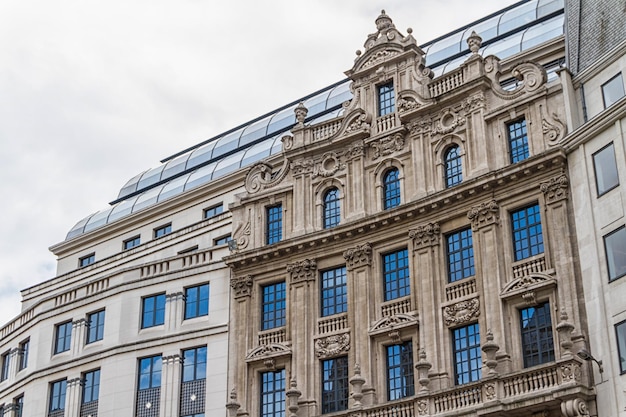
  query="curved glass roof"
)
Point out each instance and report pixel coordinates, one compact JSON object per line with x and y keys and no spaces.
{"x":516,"y":28}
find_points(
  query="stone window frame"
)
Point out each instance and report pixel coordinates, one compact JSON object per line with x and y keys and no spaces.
{"x":440,"y":150}
{"x":381,"y":170}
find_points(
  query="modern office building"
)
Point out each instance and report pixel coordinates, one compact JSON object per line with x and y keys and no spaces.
{"x":402,"y":243}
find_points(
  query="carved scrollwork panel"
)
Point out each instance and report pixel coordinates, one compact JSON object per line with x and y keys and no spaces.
{"x":461,"y":312}
{"x":387,"y":145}
{"x":556,"y":189}
{"x":332,"y":345}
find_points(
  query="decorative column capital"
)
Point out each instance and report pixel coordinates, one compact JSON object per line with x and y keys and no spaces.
{"x":302,"y":271}
{"x":484,"y":214}
{"x":242,"y":286}
{"x":360,"y":255}
{"x":556,"y":189}
{"x":425,"y":236}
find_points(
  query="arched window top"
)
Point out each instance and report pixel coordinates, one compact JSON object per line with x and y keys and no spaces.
{"x":332,"y":208}
{"x":453,"y":168}
{"x":391,"y":188}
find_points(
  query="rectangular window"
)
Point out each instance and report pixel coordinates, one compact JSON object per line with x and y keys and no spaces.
{"x":18,"y":405}
{"x":153,"y":311}
{"x":274,"y":229}
{"x":396,"y":274}
{"x":91,"y":386}
{"x":163,"y":230}
{"x":194,"y":364}
{"x":87,"y":260}
{"x":63,"y":337}
{"x":620,"y":333}
{"x":213,"y":211}
{"x":613,"y":90}
{"x":615,"y":248}
{"x":132,"y":242}
{"x":95,"y":326}
{"x":274,"y":306}
{"x":149,"y":372}
{"x":334,"y":292}
{"x":527,"y":233}
{"x":386,"y":99}
{"x":57,"y":395}
{"x":518,"y":141}
{"x":605,"y":169}
{"x":23,"y":353}
{"x":467,"y":356}
{"x":460,"y":255}
{"x":335,"y":389}
{"x":537,"y":342}
{"x":273,"y":393}
{"x":6,"y":365}
{"x":222,"y":240}
{"x":197,"y":301}
{"x":400,"y":381}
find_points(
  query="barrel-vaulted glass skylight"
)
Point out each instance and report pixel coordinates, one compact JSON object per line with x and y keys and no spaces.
{"x":514,"y":29}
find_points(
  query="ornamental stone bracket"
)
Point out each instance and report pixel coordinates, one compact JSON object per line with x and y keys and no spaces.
{"x":393,"y":323}
{"x":333,"y":345}
{"x":574,"y":408}
{"x":485,"y":214}
{"x":242,"y":286}
{"x":461,"y":312}
{"x":527,"y":286}
{"x":302,"y":271}
{"x":556,"y":189}
{"x":387,"y":145}
{"x":360,"y":255}
{"x":267,"y":352}
{"x":425,"y":236}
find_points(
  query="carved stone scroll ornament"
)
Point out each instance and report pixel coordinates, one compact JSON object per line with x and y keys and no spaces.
{"x":267,"y":351}
{"x":359,"y":124}
{"x":526,"y":285}
{"x":302,"y":271}
{"x":531,"y":75}
{"x":461,"y":312}
{"x":356,"y":150}
{"x":420,"y":126}
{"x":242,"y":233}
{"x":407,"y":103}
{"x":425,"y":236}
{"x":360,"y":255}
{"x":483,"y":215}
{"x":473,"y":103}
{"x":556,"y":189}
{"x":332,"y":345}
{"x":574,"y":408}
{"x":261,"y":177}
{"x":553,"y":129}
{"x":242,"y":286}
{"x":302,"y":166}
{"x":387,"y":145}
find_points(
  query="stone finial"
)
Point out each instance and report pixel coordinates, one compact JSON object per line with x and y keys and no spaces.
{"x":383,"y":21}
{"x":357,"y":382}
{"x":474,"y":42}
{"x":565,"y":329}
{"x":423,"y":366}
{"x":233,"y":406}
{"x":490,"y":348}
{"x":293,"y":393}
{"x":301,"y":111}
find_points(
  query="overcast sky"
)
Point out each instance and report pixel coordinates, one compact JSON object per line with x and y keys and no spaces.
{"x":94,"y":92}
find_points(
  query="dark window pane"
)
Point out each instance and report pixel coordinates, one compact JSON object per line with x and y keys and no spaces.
{"x":453,"y":167}
{"x":274,"y":228}
{"x":334,"y":292}
{"x":518,"y":141}
{"x":467,"y":354}
{"x":386,"y":99}
{"x":153,"y":313}
{"x":391,"y":189}
{"x":527,"y":233}
{"x":605,"y":169}
{"x":396,"y":274}
{"x":615,"y":247}
{"x":274,"y":306}
{"x":335,"y":387}
{"x":613,"y":90}
{"x":273,"y":394}
{"x":536,"y":329}
{"x":400,"y":381}
{"x":197,"y":301}
{"x":332,"y":208}
{"x":460,"y":255}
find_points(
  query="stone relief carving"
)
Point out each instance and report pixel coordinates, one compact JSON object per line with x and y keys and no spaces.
{"x":531,"y":75}
{"x":264,"y":351}
{"x":556,"y":189}
{"x":328,"y":166}
{"x":420,"y":126}
{"x":490,"y":391}
{"x":461,"y":312}
{"x":473,"y":103}
{"x":361,"y":123}
{"x":527,"y":284}
{"x":332,"y":345}
{"x":242,"y":233}
{"x":305,"y":270}
{"x":379,"y":57}
{"x":449,"y":120}
{"x":484,"y":214}
{"x":356,"y":150}
{"x":407,"y":103}
{"x":553,"y":129}
{"x":392,"y":322}
{"x":261,"y":177}
{"x":242,"y":286}
{"x":360,"y":255}
{"x":387,"y":145}
{"x":570,"y":372}
{"x":425,"y":236}
{"x":422,"y":407}
{"x":302,"y":166}
{"x":287,"y":141}
{"x":576,"y":407}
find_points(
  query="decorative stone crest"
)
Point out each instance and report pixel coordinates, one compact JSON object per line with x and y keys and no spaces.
{"x":422,"y":407}
{"x":387,"y":145}
{"x":332,"y":345}
{"x":261,"y":177}
{"x":287,"y":141}
{"x":360,"y":255}
{"x":483,"y":215}
{"x":490,"y":391}
{"x":425,"y":236}
{"x":356,"y":150}
{"x":266,"y":351}
{"x":556,"y":189}
{"x":461,"y":312}
{"x":242,"y":286}
{"x":421,"y":126}
{"x":301,"y":271}
{"x":474,"y":102}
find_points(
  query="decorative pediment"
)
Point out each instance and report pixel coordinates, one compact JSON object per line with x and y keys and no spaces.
{"x":394,"y":322}
{"x":262,"y":176}
{"x":332,"y":345}
{"x":526,"y":286}
{"x":264,"y":352}
{"x":461,"y":312}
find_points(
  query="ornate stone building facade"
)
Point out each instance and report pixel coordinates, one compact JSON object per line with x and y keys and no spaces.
{"x":413,"y":256}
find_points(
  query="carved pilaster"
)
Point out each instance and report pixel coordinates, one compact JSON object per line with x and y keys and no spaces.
{"x":242,"y":286}
{"x":425,"y":236}
{"x":302,"y":271}
{"x":360,"y":255}
{"x":556,"y":189}
{"x":485,"y":214}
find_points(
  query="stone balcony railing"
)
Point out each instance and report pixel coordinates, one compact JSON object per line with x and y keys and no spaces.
{"x":326,"y":129}
{"x":332,"y":324}
{"x":446,"y":83}
{"x":385,"y":123}
{"x":395,"y":307}
{"x":460,"y":289}
{"x":529,"y":266}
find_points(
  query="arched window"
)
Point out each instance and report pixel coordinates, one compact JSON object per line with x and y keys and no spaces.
{"x":332,"y":209}
{"x":453,"y":168}
{"x":391,"y":189}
